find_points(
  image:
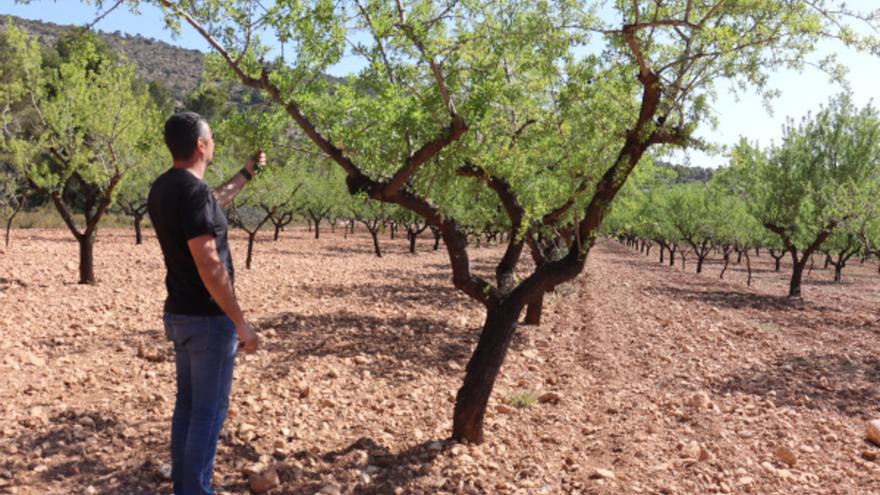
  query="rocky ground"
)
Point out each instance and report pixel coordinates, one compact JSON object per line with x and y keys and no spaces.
{"x":652,"y":380}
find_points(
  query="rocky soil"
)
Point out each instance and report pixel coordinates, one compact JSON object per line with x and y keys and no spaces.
{"x":641,"y":379}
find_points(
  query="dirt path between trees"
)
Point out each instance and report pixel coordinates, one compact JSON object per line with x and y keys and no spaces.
{"x":654,"y":380}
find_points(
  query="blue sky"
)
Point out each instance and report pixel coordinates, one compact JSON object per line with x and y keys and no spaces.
{"x":745,"y":116}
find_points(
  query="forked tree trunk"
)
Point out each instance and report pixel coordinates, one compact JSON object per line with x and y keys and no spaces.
{"x":277,"y":231}
{"x":481,"y":372}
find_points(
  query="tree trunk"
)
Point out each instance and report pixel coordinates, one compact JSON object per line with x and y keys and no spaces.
{"x":87,"y":259}
{"x":250,"y":249}
{"x":726,"y":262}
{"x":481,"y":372}
{"x":672,"y":256}
{"x":436,"y":239}
{"x":412,"y":243}
{"x":797,"y":273}
{"x":838,"y":273}
{"x":374,"y":233}
{"x":827,"y":261}
{"x":662,"y":249}
{"x":739,"y":257}
{"x":138,"y":237}
{"x":757,"y":252}
{"x":648,"y":249}
{"x":700,"y":263}
{"x":533,"y":312}
{"x":317,"y":228}
{"x":749,"y":268}
{"x":9,"y":227}
{"x":277,"y":231}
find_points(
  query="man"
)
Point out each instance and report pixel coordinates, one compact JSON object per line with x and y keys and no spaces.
{"x":202,"y":316}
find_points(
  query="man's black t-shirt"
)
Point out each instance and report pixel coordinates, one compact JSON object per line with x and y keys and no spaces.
{"x":182,"y":207}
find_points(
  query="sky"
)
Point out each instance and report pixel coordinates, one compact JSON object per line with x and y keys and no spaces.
{"x":742,"y":116}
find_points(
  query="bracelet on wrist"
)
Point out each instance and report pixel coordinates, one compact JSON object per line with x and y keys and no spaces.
{"x":247,"y":175}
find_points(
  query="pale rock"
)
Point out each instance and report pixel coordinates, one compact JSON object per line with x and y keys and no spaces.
{"x":604,"y":474}
{"x":872,"y":431}
{"x":165,"y":471}
{"x":91,"y":490}
{"x":330,"y":489}
{"x":691,"y":450}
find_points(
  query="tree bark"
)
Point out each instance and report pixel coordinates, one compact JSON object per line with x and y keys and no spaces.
{"x":277,"y":231}
{"x":797,"y":272}
{"x":482,"y":371}
{"x":317,"y":228}
{"x":138,"y":236}
{"x":374,"y":233}
{"x":87,"y":259}
{"x":250,"y":249}
{"x":534,"y":311}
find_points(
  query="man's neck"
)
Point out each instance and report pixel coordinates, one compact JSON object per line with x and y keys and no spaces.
{"x":196,"y":167}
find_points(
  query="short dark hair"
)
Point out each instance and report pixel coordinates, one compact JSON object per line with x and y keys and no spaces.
{"x":182,"y":131}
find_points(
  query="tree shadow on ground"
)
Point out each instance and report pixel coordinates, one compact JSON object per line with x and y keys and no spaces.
{"x":78,"y":440}
{"x":832,"y":382}
{"x":387,"y":341}
{"x":389,"y":469}
{"x":738,"y":300}
{"x":407,"y":294}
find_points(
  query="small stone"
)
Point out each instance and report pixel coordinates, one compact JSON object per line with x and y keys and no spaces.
{"x":165,"y":471}
{"x":435,"y":446}
{"x":86,"y":422}
{"x":604,"y":474}
{"x":691,"y":450}
{"x":745,"y":480}
{"x":700,"y":400}
{"x":265,"y":481}
{"x":869,"y":455}
{"x":35,"y":360}
{"x":502,"y":409}
{"x":785,"y":455}
{"x":872,"y":431}
{"x":91,"y":490}
{"x":330,"y":489}
{"x":549,"y":398}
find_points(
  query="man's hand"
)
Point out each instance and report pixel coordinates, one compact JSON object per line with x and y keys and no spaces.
{"x":248,"y":341}
{"x":255,"y":163}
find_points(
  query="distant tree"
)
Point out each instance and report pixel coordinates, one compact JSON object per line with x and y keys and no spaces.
{"x":83,"y":131}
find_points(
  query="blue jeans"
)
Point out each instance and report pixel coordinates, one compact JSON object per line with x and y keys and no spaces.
{"x":204,"y":352}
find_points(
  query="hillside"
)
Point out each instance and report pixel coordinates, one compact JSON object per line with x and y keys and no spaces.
{"x":178,"y":68}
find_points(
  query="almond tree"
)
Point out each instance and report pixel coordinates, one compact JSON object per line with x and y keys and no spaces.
{"x":799,"y":190}
{"x":85,"y":129}
{"x":448,"y":86}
